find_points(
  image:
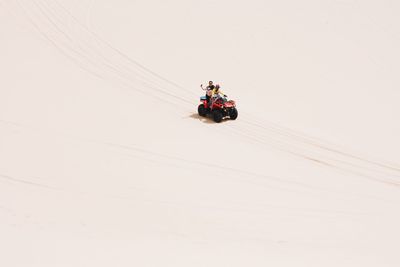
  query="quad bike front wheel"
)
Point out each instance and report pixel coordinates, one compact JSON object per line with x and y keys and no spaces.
{"x":233,"y":114}
{"x":202,"y":110}
{"x":217,"y":116}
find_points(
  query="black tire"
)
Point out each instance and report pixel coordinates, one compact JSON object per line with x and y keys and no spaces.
{"x":202,"y":110}
{"x":233,"y":114}
{"x":217,"y":116}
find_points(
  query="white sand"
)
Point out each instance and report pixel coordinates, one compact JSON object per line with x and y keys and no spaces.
{"x":103,"y":162}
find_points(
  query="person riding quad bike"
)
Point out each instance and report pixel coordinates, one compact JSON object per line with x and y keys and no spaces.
{"x":216,"y":93}
{"x":218,"y":106}
{"x":209,"y":89}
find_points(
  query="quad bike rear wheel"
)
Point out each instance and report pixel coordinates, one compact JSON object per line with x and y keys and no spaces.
{"x":202,"y":110}
{"x":217,"y":116}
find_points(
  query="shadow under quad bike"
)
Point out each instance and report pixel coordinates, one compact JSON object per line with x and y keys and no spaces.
{"x":219,"y":107}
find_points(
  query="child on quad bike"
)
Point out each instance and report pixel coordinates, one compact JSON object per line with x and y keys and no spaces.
{"x":216,"y":93}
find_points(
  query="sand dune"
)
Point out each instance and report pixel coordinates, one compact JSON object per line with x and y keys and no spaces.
{"x":105,"y":162}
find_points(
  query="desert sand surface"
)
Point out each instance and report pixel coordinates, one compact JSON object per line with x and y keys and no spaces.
{"x":104,"y":160}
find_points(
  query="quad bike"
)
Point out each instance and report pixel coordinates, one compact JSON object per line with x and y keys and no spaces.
{"x":219,"y":107}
